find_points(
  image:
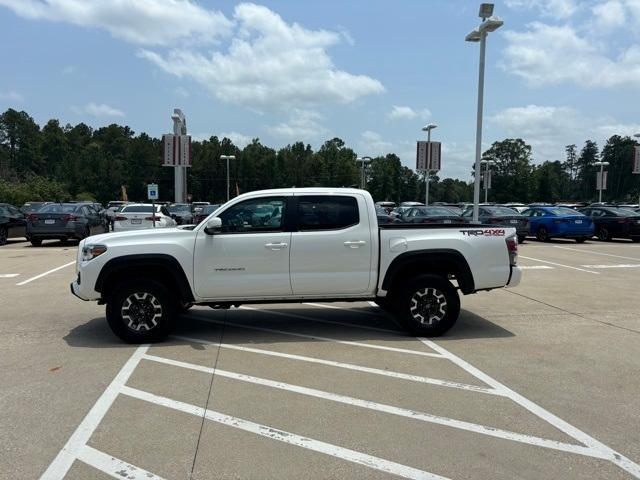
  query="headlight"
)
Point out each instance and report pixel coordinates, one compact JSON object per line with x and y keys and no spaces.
{"x":90,"y":252}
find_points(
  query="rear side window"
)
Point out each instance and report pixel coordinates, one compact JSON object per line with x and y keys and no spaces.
{"x":327,"y":213}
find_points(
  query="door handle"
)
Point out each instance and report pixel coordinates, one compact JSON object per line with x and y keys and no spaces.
{"x":355,"y":243}
{"x":275,"y":246}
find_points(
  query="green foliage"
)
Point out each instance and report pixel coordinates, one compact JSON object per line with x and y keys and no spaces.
{"x":60,"y":162}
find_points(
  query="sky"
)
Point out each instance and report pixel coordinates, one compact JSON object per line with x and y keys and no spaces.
{"x":371,"y":72}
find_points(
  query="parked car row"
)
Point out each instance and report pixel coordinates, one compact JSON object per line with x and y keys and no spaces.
{"x":542,"y":221}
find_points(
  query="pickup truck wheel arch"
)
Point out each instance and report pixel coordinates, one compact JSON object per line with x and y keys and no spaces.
{"x":442,"y":262}
{"x":159,"y":267}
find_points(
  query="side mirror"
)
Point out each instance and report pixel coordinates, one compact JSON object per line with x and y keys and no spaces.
{"x":213,"y":226}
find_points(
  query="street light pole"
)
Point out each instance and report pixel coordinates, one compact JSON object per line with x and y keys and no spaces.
{"x":637,"y":135}
{"x":489,"y":24}
{"x":363,"y":178}
{"x":227,"y":158}
{"x":427,"y":173}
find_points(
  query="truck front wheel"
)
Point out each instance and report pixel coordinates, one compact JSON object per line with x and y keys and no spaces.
{"x":141,"y":311}
{"x":427,"y":305}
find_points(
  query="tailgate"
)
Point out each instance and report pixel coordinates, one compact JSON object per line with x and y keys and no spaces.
{"x":483,"y":247}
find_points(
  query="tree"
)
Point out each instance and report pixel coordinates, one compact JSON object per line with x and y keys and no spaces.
{"x":621,"y":185}
{"x":586,"y":175}
{"x":512,"y":171}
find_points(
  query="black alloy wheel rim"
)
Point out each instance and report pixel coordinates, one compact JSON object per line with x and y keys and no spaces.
{"x":428,"y":306}
{"x":141,"y":311}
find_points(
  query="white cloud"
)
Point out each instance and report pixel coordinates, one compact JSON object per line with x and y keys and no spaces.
{"x":269,"y":65}
{"x":549,"y":128}
{"x":407,"y":113}
{"x":11,"y":96}
{"x":182,"y":92}
{"x":546,"y":54}
{"x":609,"y":15}
{"x":302,"y":125}
{"x":145,"y":22}
{"x":549,"y":8}
{"x":372,"y":144}
{"x":238,"y":139}
{"x":67,"y":70}
{"x":101,"y":110}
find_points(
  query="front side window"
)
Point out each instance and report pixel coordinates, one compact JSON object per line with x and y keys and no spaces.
{"x":327,"y":212}
{"x":256,"y":215}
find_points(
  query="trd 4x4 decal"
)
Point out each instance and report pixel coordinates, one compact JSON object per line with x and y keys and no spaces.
{"x":488,"y":232}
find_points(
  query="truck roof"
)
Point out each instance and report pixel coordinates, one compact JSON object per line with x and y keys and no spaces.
{"x":294,"y":190}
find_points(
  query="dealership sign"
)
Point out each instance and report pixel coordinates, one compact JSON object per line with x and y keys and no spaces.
{"x":176,"y":150}
{"x":426,"y":161}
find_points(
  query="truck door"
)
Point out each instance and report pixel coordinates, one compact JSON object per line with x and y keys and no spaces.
{"x":331,"y":249}
{"x":250,"y":257}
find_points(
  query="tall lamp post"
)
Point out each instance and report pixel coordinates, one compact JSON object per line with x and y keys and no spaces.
{"x":601,"y":183}
{"x":487,"y":176}
{"x":637,"y":135}
{"x":227,"y":158}
{"x":428,"y":128}
{"x":363,"y":161}
{"x":479,"y":34}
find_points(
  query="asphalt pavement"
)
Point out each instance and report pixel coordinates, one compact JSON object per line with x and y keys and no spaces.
{"x":539,"y":381}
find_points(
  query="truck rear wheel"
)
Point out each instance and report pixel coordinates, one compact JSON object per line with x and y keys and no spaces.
{"x":427,"y":305}
{"x":141,"y":311}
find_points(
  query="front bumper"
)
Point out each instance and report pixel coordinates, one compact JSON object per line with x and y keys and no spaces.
{"x":515,"y":277}
{"x":75,"y":290}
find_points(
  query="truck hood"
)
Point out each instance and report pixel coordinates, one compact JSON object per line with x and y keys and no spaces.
{"x":157,"y":234}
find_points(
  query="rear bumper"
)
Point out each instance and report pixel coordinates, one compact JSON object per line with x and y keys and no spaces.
{"x":515,"y":277}
{"x":40,"y":232}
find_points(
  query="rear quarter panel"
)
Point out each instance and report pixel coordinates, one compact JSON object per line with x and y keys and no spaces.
{"x":484,"y":249}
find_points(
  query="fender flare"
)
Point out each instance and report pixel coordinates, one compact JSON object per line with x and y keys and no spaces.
{"x":449,"y":256}
{"x":157,"y":260}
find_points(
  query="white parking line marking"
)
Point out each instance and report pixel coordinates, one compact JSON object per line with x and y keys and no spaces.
{"x":536,"y":267}
{"x":348,"y":366}
{"x":600,"y":449}
{"x":331,"y":322}
{"x":370,"y":461}
{"x":380,"y":407}
{"x":596,"y":253}
{"x":45,"y":273}
{"x":316,"y":337}
{"x":559,"y":264}
{"x":113,"y":466}
{"x":634,"y":265}
{"x":8,"y":275}
{"x":63,"y":461}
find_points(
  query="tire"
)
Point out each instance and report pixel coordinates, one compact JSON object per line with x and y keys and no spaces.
{"x":4,"y":235}
{"x":442,"y":305}
{"x":141,"y":311}
{"x":85,"y":233}
{"x":521,"y":238}
{"x":542,"y":234}
{"x":581,"y":239}
{"x":36,"y":242}
{"x":635,"y":240}
{"x":64,"y":241}
{"x":604,"y":235}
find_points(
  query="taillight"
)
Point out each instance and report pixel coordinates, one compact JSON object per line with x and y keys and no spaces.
{"x":32,"y":217}
{"x":153,"y":219}
{"x":495,"y":220}
{"x":120,"y":218}
{"x":69,"y":218}
{"x":557,"y":221}
{"x":512,"y":248}
{"x":624,"y":220}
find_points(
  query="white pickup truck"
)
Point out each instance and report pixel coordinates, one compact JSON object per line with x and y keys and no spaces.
{"x":293,"y":245}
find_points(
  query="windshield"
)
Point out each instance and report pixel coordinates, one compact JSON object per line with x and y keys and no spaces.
{"x":58,"y":208}
{"x":564,"y":211}
{"x":500,"y":211}
{"x":138,"y":209}
{"x":623,"y":211}
{"x":433,"y":212}
{"x":180,"y":207}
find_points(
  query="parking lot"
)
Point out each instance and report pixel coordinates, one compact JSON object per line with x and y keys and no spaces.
{"x":540,"y":381}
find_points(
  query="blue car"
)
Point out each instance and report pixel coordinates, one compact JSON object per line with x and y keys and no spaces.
{"x":559,"y":222}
